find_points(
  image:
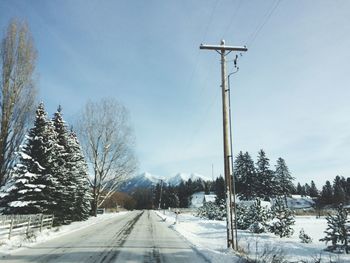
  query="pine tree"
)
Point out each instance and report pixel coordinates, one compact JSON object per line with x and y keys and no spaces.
{"x":339,"y":194}
{"x":304,"y":238}
{"x":33,"y":186}
{"x":244,"y":170}
{"x":299,"y":190}
{"x":313,"y":190}
{"x":326,"y":197}
{"x":265,"y":183}
{"x":257,"y":217}
{"x":307,"y":189}
{"x":338,"y":231}
{"x":284,"y":180}
{"x":220,"y":190}
{"x":242,"y":217}
{"x":79,"y":168}
{"x":283,"y":219}
{"x":67,"y":185}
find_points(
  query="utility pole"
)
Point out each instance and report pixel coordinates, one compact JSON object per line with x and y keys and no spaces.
{"x":228,"y":158}
{"x":160,"y":196}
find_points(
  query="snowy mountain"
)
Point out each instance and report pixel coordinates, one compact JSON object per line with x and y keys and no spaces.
{"x":144,"y":180}
{"x":147,"y":180}
{"x":183,"y":177}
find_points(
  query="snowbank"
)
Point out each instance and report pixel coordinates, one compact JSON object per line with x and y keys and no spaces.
{"x":209,"y":238}
{"x":22,"y":241}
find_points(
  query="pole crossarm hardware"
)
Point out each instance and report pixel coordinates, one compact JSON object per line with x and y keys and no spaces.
{"x":223,"y":47}
{"x":228,"y":159}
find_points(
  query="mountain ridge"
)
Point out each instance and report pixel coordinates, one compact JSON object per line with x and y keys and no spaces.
{"x":147,"y":180}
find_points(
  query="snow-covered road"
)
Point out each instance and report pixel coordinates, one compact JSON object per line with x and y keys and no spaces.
{"x":138,"y":236}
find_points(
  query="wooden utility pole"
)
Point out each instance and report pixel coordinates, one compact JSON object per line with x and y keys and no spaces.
{"x":228,"y":159}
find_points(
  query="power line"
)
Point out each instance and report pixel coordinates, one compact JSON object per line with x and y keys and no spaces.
{"x":233,"y":18}
{"x":266,"y":18}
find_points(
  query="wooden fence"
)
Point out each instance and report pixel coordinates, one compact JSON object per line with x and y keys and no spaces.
{"x":14,"y":225}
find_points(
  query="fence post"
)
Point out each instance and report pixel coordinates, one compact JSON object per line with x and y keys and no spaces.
{"x":52,"y":221}
{"x":11,"y":225}
{"x":41,"y":221}
{"x":28,"y":226}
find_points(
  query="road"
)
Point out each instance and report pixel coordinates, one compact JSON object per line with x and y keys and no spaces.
{"x":138,"y":236}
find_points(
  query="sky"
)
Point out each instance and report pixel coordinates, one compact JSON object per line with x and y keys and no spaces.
{"x":290,"y":96}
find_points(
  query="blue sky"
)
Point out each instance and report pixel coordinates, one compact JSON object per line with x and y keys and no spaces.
{"x":290,"y":97}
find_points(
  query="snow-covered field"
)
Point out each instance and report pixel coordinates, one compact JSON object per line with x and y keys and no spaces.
{"x":209,"y":237}
{"x":21,"y":241}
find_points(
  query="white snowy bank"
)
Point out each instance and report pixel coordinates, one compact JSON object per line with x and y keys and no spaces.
{"x":209,"y":238}
{"x":18,"y":242}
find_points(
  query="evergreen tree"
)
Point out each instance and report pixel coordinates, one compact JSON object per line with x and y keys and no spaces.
{"x":283,"y":219}
{"x":299,"y":189}
{"x":211,"y":211}
{"x":257,"y":217}
{"x":220,"y":190}
{"x":265,"y":183}
{"x":75,"y":194}
{"x":338,"y":231}
{"x":284,"y":180}
{"x":313,"y":190}
{"x":65,"y":194}
{"x":304,"y":238}
{"x":347,"y":188}
{"x":78,"y":167}
{"x":183,"y":195}
{"x":339,"y":194}
{"x":244,"y":170}
{"x":242,"y":217}
{"x":307,"y":189}
{"x":33,"y":186}
{"x":326,"y":197}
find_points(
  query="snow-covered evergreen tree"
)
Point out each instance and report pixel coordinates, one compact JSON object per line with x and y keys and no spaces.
{"x":284,"y":180}
{"x":244,"y":170}
{"x":33,"y":186}
{"x":65,"y":193}
{"x":257,"y":217}
{"x":242,"y":217}
{"x":72,"y":175}
{"x":265,"y":183}
{"x":212,"y":211}
{"x":283,"y":219}
{"x":338,"y":231}
{"x":79,"y":168}
{"x":304,"y":238}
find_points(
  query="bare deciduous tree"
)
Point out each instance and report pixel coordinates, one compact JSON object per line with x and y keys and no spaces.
{"x":17,"y":97}
{"x":107,"y":140}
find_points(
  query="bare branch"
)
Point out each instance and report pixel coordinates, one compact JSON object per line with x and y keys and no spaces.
{"x":107,"y":140}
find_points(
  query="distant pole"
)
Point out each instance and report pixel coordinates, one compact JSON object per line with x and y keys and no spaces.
{"x":160,"y":196}
{"x":229,"y":180}
{"x":212,"y":172}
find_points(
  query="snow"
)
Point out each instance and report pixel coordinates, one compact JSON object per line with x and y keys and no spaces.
{"x":19,"y":242}
{"x":248,"y":203}
{"x":300,"y":202}
{"x":209,"y":238}
{"x":179,"y":177}
{"x":198,"y":198}
{"x":20,"y":203}
{"x":25,"y":156}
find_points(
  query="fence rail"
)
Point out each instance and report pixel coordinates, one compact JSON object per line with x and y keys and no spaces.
{"x":14,"y":225}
